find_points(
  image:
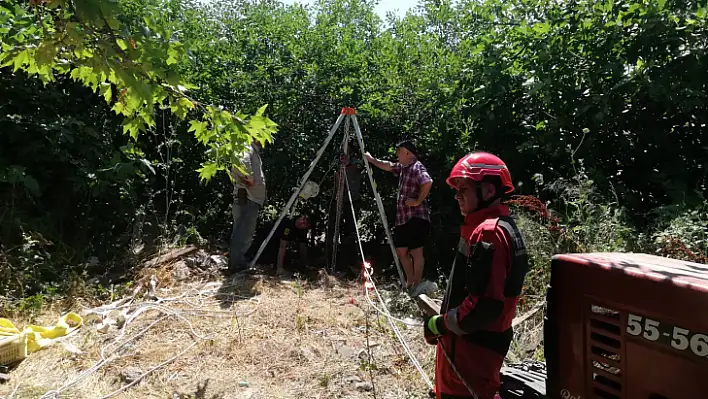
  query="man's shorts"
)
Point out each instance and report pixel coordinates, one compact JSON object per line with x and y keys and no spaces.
{"x":289,"y":232}
{"x":413,"y":234}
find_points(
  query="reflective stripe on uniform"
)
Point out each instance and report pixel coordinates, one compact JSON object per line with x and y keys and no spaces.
{"x":452,"y":323}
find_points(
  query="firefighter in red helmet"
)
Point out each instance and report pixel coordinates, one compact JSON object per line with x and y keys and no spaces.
{"x":473,"y":331}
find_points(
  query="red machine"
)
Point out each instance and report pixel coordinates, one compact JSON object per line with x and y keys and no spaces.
{"x":620,"y":326}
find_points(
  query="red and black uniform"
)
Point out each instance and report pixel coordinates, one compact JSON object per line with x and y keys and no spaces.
{"x":480,"y":303}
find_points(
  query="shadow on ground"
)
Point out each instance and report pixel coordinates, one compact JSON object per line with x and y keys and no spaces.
{"x":244,"y":285}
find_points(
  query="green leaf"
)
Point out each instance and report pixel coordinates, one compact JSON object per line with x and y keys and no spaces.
{"x":118,"y":108}
{"x":55,"y":3}
{"x":198,"y":128}
{"x":45,"y":74}
{"x":106,"y":91}
{"x":46,"y":53}
{"x":542,"y":28}
{"x":20,"y":60}
{"x":121,"y":43}
{"x":181,"y":107}
{"x":256,"y":124}
{"x":478,"y":49}
{"x":133,"y":126}
{"x":261,"y":110}
{"x":173,"y":55}
{"x":113,"y":23}
{"x":607,"y":6}
{"x":208,"y":170}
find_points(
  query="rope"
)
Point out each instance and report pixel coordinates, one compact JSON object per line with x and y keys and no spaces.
{"x":331,"y":166}
{"x":390,"y":318}
{"x":340,"y":194}
{"x":143,"y":375}
{"x":385,"y":312}
{"x":397,"y":332}
{"x":332,"y":237}
{"x":452,"y":364}
{"x":368,"y":351}
{"x":113,"y":350}
{"x":408,"y":323}
{"x":53,"y":394}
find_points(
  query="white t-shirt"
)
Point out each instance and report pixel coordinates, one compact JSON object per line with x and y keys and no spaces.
{"x":251,"y":159}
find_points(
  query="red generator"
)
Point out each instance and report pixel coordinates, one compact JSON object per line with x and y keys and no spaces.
{"x":626,"y":326}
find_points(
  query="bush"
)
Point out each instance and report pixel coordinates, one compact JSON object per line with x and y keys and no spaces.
{"x":581,"y":221}
{"x":681,"y":232}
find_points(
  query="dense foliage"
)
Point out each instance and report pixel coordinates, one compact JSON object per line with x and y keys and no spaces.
{"x":596,"y":106}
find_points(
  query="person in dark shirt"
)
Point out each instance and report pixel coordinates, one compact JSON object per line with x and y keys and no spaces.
{"x":293,"y":230}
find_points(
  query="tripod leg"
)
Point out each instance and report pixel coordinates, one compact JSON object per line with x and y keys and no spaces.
{"x":382,"y":212}
{"x":332,"y":217}
{"x":298,"y":189}
{"x":329,"y":235}
{"x":340,"y":195}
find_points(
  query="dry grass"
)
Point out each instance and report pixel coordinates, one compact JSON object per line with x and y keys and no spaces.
{"x":528,"y":337}
{"x":266,"y":338}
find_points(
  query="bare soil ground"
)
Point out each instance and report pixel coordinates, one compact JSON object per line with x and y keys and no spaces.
{"x":253,"y":337}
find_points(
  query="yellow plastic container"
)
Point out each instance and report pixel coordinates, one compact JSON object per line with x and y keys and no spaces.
{"x":13,"y":349}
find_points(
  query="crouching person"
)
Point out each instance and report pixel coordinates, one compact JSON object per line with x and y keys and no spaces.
{"x":293,"y":230}
{"x":473,"y":331}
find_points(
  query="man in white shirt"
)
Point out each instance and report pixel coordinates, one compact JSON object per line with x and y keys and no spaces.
{"x":249,"y":196}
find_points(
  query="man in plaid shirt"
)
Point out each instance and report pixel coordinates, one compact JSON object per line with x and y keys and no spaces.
{"x":412,"y":225}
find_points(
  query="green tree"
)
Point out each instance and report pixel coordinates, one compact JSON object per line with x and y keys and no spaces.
{"x":129,"y":64}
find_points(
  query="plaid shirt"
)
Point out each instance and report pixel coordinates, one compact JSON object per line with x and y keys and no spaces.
{"x":410,"y":178}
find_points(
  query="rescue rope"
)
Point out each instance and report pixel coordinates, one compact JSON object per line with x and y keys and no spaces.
{"x":370,"y":285}
{"x":368,"y":280}
{"x":331,"y":166}
{"x":338,"y":192}
{"x":340,"y":195}
{"x":117,"y":347}
{"x":452,"y":364}
{"x":368,"y":351}
{"x":405,"y":322}
{"x":395,"y":329}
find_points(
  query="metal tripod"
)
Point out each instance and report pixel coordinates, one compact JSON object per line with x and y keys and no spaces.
{"x":339,"y":197}
{"x":349,"y":115}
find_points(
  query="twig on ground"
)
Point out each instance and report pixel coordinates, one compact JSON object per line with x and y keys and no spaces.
{"x":133,"y":338}
{"x":520,"y":319}
{"x":139,"y":378}
{"x":137,"y":310}
{"x":12,"y":395}
{"x":97,"y":365}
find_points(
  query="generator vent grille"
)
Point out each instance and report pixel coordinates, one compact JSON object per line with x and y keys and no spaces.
{"x":605,"y":353}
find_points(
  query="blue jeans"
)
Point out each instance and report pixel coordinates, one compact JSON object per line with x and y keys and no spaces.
{"x":245,"y":218}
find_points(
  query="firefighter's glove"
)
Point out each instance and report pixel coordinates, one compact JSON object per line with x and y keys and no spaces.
{"x":434,"y":328}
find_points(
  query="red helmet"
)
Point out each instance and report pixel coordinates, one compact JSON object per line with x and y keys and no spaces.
{"x":476,"y":165}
